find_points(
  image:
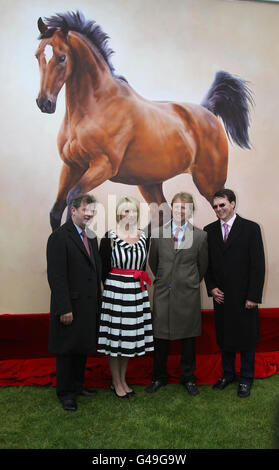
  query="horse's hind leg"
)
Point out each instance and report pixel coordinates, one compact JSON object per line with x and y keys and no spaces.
{"x":160,"y":211}
{"x":68,"y":177}
{"x":210,"y":174}
{"x":208,"y":187}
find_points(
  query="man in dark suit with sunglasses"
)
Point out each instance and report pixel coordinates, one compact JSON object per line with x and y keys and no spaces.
{"x":235,"y":279}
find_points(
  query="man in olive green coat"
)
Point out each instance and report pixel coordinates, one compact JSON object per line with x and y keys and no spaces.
{"x":178,"y":259}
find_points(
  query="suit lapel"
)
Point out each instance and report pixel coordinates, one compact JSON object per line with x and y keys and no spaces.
{"x":167,"y":236}
{"x":186,"y":241}
{"x":218,"y":234}
{"x":188,"y":237}
{"x":75,"y":236}
{"x":91,"y":244}
{"x":234,"y":232}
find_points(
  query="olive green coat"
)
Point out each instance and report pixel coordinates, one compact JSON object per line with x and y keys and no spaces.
{"x":178,"y":273}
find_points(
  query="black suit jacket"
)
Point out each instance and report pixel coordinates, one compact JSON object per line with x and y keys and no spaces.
{"x":237,"y":267}
{"x":74,"y":280}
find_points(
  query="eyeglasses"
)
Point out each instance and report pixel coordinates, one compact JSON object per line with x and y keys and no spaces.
{"x":219,"y":205}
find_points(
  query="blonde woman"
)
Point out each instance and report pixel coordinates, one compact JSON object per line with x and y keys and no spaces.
{"x":125,"y":324}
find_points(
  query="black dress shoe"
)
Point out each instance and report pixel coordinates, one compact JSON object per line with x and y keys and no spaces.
{"x":222,"y":383}
{"x":154,"y":386}
{"x":244,"y":390}
{"x":87,"y":392}
{"x":116,"y":394}
{"x":191,"y":388}
{"x":69,"y":404}
{"x":132,"y":393}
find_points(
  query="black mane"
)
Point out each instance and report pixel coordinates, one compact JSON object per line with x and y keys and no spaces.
{"x":72,"y":21}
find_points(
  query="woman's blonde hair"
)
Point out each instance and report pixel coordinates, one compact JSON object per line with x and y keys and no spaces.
{"x":123,"y":202}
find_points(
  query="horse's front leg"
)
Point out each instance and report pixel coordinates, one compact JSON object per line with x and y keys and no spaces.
{"x":100,"y":170}
{"x":68,"y":178}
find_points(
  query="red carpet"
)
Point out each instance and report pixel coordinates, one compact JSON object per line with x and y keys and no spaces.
{"x":24,"y":358}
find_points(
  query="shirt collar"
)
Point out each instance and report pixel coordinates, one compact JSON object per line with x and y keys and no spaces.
{"x":229,"y":222}
{"x":78,"y":228}
{"x":174,"y":226}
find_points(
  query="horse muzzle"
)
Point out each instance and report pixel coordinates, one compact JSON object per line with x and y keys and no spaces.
{"x":46,"y":105}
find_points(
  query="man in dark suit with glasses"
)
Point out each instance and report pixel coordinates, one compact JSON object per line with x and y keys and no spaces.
{"x":235,"y":279}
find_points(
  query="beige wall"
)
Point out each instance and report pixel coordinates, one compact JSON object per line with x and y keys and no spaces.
{"x":167,"y":50}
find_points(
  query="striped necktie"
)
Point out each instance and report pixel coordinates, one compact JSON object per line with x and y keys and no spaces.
{"x":175,"y":237}
{"x":226,"y":232}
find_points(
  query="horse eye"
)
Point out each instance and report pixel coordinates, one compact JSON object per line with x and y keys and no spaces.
{"x":62,"y":58}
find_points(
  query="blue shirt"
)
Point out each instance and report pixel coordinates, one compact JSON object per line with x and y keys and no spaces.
{"x":79,"y":230}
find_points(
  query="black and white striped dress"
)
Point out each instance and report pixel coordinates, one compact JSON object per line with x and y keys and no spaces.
{"x":125,"y":323}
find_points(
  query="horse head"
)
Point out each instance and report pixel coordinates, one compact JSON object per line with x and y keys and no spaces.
{"x":55,"y":64}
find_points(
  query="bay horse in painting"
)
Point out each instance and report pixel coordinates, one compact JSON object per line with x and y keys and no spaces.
{"x":112,"y":133}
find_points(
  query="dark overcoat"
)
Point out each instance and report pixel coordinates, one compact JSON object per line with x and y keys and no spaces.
{"x":74,"y":278}
{"x":178,"y":273}
{"x":237,"y":267}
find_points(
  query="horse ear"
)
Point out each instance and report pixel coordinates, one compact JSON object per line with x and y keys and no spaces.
{"x":42,"y":26}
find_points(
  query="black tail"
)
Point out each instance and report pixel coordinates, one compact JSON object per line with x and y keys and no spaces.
{"x":230,"y":98}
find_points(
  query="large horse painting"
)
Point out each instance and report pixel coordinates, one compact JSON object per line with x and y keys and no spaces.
{"x":110,"y":132}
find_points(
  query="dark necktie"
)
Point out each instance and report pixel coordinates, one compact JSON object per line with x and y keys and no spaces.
{"x":85,"y":241}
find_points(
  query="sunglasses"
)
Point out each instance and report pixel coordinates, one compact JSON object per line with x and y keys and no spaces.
{"x":219,"y":205}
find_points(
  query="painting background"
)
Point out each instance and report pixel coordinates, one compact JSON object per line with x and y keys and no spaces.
{"x":167,"y":51}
